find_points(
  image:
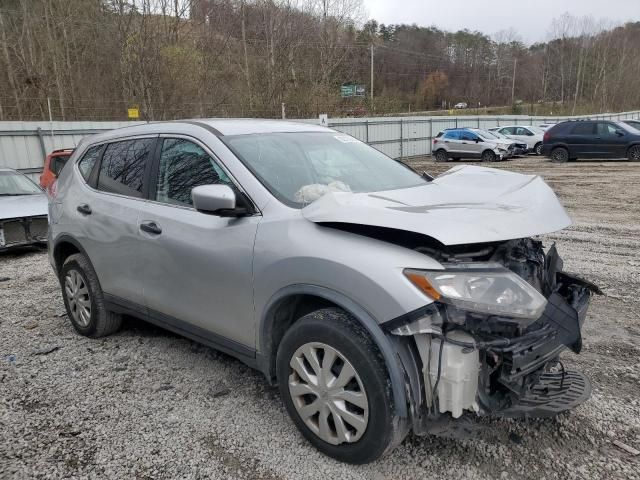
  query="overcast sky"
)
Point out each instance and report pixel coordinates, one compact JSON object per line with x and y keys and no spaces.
{"x":531,"y":19}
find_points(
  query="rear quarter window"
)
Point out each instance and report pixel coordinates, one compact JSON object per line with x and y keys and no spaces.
{"x":123,"y":166}
{"x":86,"y":164}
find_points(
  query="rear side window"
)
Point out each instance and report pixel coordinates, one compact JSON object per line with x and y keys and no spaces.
{"x":583,"y":129}
{"x":88,"y":161}
{"x":453,"y":135}
{"x":507,"y":131}
{"x":123,"y":166}
{"x":183,"y":166}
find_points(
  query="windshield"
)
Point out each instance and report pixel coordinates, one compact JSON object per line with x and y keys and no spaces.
{"x":497,"y":134}
{"x":485,"y":135}
{"x":14,"y":183}
{"x":299,"y":168}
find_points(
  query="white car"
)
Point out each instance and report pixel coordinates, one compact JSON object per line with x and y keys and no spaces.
{"x":461,"y":105}
{"x":530,"y":135}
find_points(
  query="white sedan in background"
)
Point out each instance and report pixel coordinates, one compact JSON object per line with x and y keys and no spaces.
{"x":530,"y":135}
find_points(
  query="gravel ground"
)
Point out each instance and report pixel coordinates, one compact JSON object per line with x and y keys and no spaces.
{"x":147,"y":404}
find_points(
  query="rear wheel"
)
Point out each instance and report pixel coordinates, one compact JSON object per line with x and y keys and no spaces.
{"x":488,"y":156}
{"x":442,"y":156}
{"x":560,"y":155}
{"x":83,"y":299}
{"x":538,"y":148}
{"x":334,"y":384}
{"x":634,"y":153}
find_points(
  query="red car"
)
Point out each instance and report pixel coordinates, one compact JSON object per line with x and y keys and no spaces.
{"x":52,"y":166}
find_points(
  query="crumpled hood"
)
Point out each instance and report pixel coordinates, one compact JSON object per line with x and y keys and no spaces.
{"x":23,"y":206}
{"x":464,"y":205}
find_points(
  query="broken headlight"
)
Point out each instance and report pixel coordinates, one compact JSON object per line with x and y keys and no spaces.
{"x":480,"y":287}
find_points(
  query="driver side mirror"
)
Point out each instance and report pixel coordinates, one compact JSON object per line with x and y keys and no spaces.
{"x":216,"y":200}
{"x":620,"y":133}
{"x":478,"y":140}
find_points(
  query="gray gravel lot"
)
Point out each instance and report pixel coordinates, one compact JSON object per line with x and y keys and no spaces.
{"x":147,"y":404}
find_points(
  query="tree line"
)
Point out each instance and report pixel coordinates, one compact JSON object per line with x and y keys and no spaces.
{"x":94,"y":59}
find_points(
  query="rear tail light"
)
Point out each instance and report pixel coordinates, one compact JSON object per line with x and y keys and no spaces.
{"x":545,"y":137}
{"x":435,"y":140}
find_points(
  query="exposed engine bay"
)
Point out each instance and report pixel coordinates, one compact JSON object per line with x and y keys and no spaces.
{"x":491,"y":362}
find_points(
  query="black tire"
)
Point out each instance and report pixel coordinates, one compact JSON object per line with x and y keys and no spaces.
{"x":560,"y":155}
{"x":537,"y":149}
{"x":442,"y":156}
{"x":456,"y":159}
{"x":634,"y":153}
{"x":101,"y":322}
{"x":338,"y":330}
{"x":488,"y":156}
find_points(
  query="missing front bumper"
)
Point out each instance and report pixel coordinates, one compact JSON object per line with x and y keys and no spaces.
{"x":555,"y":392}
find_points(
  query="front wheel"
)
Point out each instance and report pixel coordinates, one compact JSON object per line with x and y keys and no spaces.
{"x":560,"y":155}
{"x":488,"y":156}
{"x":334,"y":384}
{"x":634,"y":153}
{"x":538,"y":148}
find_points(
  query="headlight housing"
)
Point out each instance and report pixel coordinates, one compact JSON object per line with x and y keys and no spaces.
{"x":484,"y":288}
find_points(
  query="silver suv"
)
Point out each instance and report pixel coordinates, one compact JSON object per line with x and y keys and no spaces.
{"x":457,"y":143}
{"x":378,"y":299}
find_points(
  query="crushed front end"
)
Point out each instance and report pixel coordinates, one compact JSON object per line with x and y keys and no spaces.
{"x":491,"y":340}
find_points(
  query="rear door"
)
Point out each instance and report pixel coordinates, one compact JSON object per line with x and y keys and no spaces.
{"x":108,"y":216}
{"x":582,"y":140}
{"x":453,"y":144}
{"x":198,"y":267}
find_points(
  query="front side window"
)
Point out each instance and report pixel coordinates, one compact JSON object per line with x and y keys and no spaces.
{"x":183,"y":166}
{"x":468,"y":136}
{"x":123,"y":166}
{"x":299,"y":168}
{"x":523,"y":132}
{"x":606,"y":129}
{"x":507,"y":131}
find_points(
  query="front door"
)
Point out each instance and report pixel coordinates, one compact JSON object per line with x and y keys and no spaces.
{"x":198,"y":267}
{"x":612,"y":140}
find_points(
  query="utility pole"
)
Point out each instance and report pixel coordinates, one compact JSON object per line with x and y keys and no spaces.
{"x":513,"y":85}
{"x":372,"y":76}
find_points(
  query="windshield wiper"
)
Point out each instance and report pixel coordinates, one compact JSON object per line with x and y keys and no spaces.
{"x":14,"y":194}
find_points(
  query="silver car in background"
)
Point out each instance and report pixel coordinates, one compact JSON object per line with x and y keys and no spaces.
{"x":458,"y":143}
{"x":23,"y":211}
{"x":379,"y":300}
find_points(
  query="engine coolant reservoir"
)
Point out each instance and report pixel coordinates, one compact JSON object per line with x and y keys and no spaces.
{"x":459,"y":372}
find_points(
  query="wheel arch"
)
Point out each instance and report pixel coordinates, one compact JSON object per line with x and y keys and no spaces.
{"x":634,"y":144}
{"x":63,"y":247}
{"x":290,"y":303}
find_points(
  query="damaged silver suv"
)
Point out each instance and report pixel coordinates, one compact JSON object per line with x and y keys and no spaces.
{"x":379,"y":300}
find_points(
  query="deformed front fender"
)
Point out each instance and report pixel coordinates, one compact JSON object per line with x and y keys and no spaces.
{"x":394,"y":368}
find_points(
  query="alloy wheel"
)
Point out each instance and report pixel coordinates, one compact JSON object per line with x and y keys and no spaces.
{"x":77,"y":295}
{"x":634,"y":154}
{"x":328,"y":393}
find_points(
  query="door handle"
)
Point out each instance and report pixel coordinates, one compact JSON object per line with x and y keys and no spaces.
{"x":151,"y":227}
{"x":464,"y":143}
{"x":84,"y":209}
